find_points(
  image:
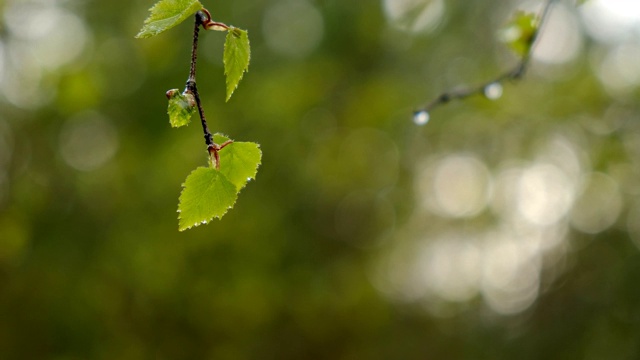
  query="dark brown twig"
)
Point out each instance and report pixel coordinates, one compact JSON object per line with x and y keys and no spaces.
{"x":202,"y":17}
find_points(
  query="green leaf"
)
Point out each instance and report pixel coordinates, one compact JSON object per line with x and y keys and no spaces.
{"x":166,"y":14}
{"x":181,"y":107}
{"x":237,"y":53}
{"x":207,"y":194}
{"x":519,"y":33}
{"x":239,"y":161}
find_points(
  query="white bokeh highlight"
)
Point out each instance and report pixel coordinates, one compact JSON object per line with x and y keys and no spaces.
{"x":88,"y":141}
{"x":414,"y":16}
{"x":293,"y":28}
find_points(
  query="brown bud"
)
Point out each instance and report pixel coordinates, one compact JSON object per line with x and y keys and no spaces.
{"x":171,"y":93}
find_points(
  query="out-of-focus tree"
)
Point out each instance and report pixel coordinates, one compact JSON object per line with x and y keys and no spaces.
{"x":504,"y":228}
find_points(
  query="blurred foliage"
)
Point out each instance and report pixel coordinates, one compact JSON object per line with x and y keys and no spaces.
{"x":519,"y":32}
{"x":92,"y":265}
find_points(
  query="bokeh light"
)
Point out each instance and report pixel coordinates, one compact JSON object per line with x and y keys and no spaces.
{"x":42,"y":37}
{"x":543,"y":194}
{"x":414,"y":16}
{"x":421,"y":117}
{"x":566,"y":42}
{"x":88,"y":141}
{"x":506,"y":261}
{"x":52,"y":35}
{"x":619,"y":71}
{"x":456,"y":186}
{"x":510,"y":275}
{"x":451,"y":257}
{"x":611,"y":20}
{"x":598,"y":206}
{"x":293,"y":28}
{"x":493,"y":91}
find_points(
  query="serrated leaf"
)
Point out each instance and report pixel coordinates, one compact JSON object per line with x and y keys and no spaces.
{"x":181,"y":107}
{"x":207,"y":194}
{"x":166,"y":14}
{"x":520,"y":31}
{"x":237,"y":53}
{"x":239,"y":161}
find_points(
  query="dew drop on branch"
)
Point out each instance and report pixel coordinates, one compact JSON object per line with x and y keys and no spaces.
{"x":493,"y":91}
{"x":420,"y":117}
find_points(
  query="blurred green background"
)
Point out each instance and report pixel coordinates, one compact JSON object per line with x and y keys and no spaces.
{"x":501,"y":229}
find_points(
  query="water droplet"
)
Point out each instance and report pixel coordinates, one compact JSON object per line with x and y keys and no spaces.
{"x":190,"y":99}
{"x":493,"y":91}
{"x":420,"y":117}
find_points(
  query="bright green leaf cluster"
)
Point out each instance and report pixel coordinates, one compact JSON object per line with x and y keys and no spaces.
{"x":181,"y":107}
{"x":208,"y":193}
{"x":166,"y":14}
{"x":520,"y":31}
{"x":237,"y":54}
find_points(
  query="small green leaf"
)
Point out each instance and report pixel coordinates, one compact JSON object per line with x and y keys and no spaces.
{"x":207,"y":194}
{"x":239,"y":161}
{"x":237,"y":53}
{"x":519,"y":33}
{"x":166,"y":14}
{"x":181,"y":107}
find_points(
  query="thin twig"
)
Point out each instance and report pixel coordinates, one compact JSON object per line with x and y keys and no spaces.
{"x":191,"y":82}
{"x":194,"y":47}
{"x":514,"y":74}
{"x":193,"y":88}
{"x":208,"y":138}
{"x":202,"y":17}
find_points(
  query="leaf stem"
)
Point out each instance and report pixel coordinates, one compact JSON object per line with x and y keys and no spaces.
{"x":514,"y":74}
{"x":209,"y":24}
